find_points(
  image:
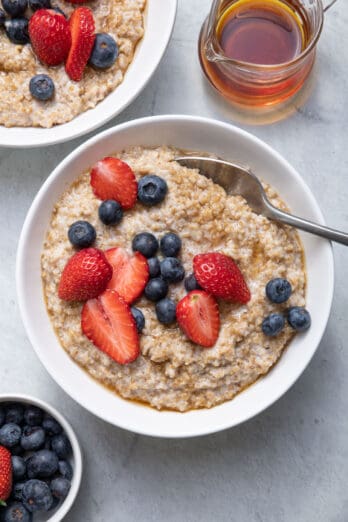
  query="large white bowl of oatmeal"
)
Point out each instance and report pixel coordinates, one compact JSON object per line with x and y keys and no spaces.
{"x":176,"y":388}
{"x":141,"y":29}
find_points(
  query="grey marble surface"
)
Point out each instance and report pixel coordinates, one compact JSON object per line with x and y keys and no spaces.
{"x":289,"y":464}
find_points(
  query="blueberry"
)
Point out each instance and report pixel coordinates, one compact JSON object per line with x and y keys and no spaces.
{"x":154,"y":266}
{"x":41,"y":87}
{"x":60,"y":444}
{"x":82,"y":234}
{"x":39,"y":4}
{"x":65,"y":469}
{"x":33,"y":416}
{"x":2,"y":17}
{"x":2,"y":416}
{"x":17,"y":30}
{"x":278,"y":290}
{"x":17,"y":490}
{"x":19,"y":467}
{"x":110,"y":212}
{"x":59,"y":10}
{"x":105,"y":51}
{"x":191,"y":283}
{"x":15,"y":7}
{"x":299,"y":318}
{"x":172,"y":270}
{"x":36,"y":496}
{"x":152,"y":190}
{"x":10,"y":435}
{"x":16,"y":512}
{"x":273,"y":324}
{"x":139,"y":318}
{"x":51,"y":426}
{"x":156,"y":289}
{"x":33,"y":438}
{"x":42,"y":464}
{"x":145,"y":243}
{"x":166,"y":311}
{"x":60,"y":487}
{"x":170,"y":244}
{"x":14,"y":413}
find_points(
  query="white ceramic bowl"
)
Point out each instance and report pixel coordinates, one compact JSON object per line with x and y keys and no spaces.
{"x":159,"y":23}
{"x":193,"y":133}
{"x":76,"y":459}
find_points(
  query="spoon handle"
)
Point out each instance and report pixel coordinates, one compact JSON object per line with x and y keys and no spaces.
{"x":307,"y":226}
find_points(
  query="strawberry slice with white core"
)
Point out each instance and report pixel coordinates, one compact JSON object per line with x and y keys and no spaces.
{"x":108,"y":322}
{"x":130,"y":273}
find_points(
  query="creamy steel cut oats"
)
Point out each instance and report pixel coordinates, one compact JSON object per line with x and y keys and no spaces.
{"x":172,"y":372}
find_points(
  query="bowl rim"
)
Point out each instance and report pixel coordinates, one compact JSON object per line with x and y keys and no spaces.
{"x":20,"y":274}
{"x":77,"y":453}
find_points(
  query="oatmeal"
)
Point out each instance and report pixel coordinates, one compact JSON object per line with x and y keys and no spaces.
{"x":171,"y":371}
{"x":122,"y":19}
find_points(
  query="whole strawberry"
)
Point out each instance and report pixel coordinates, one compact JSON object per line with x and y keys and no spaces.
{"x":219,"y":275}
{"x":50,"y":36}
{"x":82,"y":29}
{"x":5,"y":475}
{"x":85,"y":275}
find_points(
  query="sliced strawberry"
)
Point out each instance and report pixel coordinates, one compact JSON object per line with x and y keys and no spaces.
{"x":109,"y":324}
{"x":50,"y":36}
{"x":112,"y":178}
{"x":5,"y":475}
{"x":82,"y":29}
{"x":130,"y":273}
{"x":198,"y":316}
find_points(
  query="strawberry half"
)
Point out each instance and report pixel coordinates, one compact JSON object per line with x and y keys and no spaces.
{"x":130,"y":273}
{"x":220,"y":276}
{"x":50,"y":36}
{"x":109,"y":324}
{"x":112,"y":178}
{"x":198,"y":316}
{"x":85,"y":275}
{"x":5,"y":475}
{"x":82,"y":29}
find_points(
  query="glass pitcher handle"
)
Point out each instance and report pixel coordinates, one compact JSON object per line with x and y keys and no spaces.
{"x":330,"y":4}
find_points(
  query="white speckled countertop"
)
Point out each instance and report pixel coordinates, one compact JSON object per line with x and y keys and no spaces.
{"x":289,"y":464}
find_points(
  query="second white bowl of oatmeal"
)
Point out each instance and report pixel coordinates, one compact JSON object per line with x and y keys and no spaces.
{"x":193,"y":133}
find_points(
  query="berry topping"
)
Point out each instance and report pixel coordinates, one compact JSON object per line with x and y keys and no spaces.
{"x":33,"y":438}
{"x":17,"y":30}
{"x":130,"y":273}
{"x":15,"y":7}
{"x":154,"y":266}
{"x":198,"y":316}
{"x":85,"y":275}
{"x":156,"y":289}
{"x":170,"y":245}
{"x":82,"y":29}
{"x":42,"y":464}
{"x":82,"y":234}
{"x":35,"y":5}
{"x":191,"y":283}
{"x":5,"y":475}
{"x":278,"y":290}
{"x":145,"y":243}
{"x":112,"y":178}
{"x":19,"y":467}
{"x":138,"y":318}
{"x":172,"y":270}
{"x":166,"y":311}
{"x":60,"y":487}
{"x":36,"y":496}
{"x":299,"y":318}
{"x":16,"y":512}
{"x":109,"y":324}
{"x":50,"y":36}
{"x":219,"y":275}
{"x":41,"y":87}
{"x":273,"y":324}
{"x":105,"y":51}
{"x":110,"y":212}
{"x":10,"y":435}
{"x":152,"y":190}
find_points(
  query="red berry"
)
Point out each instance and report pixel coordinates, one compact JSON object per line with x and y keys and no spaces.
{"x":49,"y":36}
{"x":5,"y":475}
{"x":82,"y":29}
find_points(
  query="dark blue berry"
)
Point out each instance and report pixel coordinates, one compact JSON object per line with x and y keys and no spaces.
{"x":60,"y":11}
{"x":60,"y":487}
{"x":166,"y":311}
{"x":60,"y":444}
{"x":152,"y":190}
{"x":156,"y":289}
{"x":10,"y":435}
{"x":154,"y":266}
{"x":82,"y":234}
{"x":299,"y":318}
{"x":39,"y":4}
{"x":273,"y":324}
{"x":17,"y":490}
{"x":33,"y":438}
{"x":2,"y":416}
{"x":16,"y":512}
{"x":278,"y":290}
{"x":172,"y":270}
{"x":15,"y":7}
{"x":36,"y":496}
{"x":105,"y":51}
{"x":170,"y":245}
{"x":110,"y":212}
{"x":42,"y":464}
{"x":51,"y":426}
{"x":145,"y":243}
{"x":138,"y":318}
{"x":19,"y":467}
{"x":17,"y":30}
{"x":65,"y":469}
{"x":14,"y":413}
{"x":2,"y":17}
{"x":191,"y":283}
{"x":33,"y":416}
{"x":41,"y":87}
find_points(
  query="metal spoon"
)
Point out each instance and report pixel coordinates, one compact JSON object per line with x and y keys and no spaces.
{"x":237,"y":180}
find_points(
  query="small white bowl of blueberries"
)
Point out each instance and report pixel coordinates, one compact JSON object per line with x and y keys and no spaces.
{"x":40,"y":461}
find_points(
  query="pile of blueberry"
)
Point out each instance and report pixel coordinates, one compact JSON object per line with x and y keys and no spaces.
{"x":40,"y":460}
{"x":16,"y":27}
